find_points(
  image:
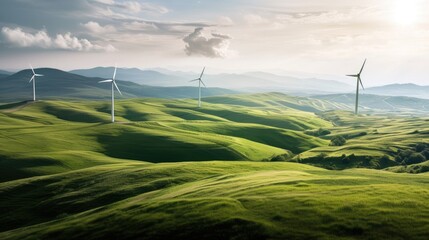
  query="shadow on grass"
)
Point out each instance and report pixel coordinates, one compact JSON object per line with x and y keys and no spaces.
{"x":137,"y":146}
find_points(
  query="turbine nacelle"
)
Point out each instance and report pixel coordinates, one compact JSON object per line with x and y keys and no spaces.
{"x":112,"y":81}
{"x":114,"y":85}
{"x":359,"y":81}
{"x":200,"y":78}
{"x":200,"y":81}
{"x":358,"y":75}
{"x":33,"y":79}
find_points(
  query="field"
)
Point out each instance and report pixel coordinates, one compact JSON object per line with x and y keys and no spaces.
{"x":240,"y":167}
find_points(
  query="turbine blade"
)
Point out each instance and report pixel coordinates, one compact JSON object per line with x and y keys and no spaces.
{"x":362,"y":67}
{"x":32,"y":69}
{"x":108,"y":80}
{"x":194,"y":80}
{"x":352,"y":75}
{"x":360,"y":80}
{"x":31,"y":79}
{"x":39,"y":75}
{"x":116,"y":86}
{"x":202,"y":72}
{"x":114,"y":73}
{"x":203,"y":83}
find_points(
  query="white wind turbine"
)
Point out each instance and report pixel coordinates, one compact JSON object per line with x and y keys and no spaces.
{"x":200,"y":81}
{"x":113,"y":92}
{"x":33,"y":78}
{"x":359,"y":81}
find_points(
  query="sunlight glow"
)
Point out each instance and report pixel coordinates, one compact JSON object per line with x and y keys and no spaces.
{"x":405,"y":12}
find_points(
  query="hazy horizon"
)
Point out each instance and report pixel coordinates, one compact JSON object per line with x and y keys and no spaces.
{"x":322,"y":39}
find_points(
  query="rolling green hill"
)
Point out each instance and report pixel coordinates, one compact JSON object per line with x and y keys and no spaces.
{"x":369,"y":103}
{"x":168,"y":169}
{"x":45,"y":137}
{"x":216,"y":200}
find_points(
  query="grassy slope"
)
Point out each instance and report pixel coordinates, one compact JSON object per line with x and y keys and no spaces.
{"x":216,"y":200}
{"x":384,"y":135}
{"x":414,"y":168}
{"x":55,"y":136}
{"x":96,"y":190}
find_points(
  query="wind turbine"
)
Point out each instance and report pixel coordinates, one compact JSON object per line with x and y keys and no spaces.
{"x":113,"y":92}
{"x":33,"y":78}
{"x":200,"y":81}
{"x":359,"y":80}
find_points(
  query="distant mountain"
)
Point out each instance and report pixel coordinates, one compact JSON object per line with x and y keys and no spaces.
{"x":4,"y":74}
{"x":146,"y":77}
{"x":369,"y":102}
{"x":60,"y":84}
{"x":250,"y":82}
{"x":410,"y":90}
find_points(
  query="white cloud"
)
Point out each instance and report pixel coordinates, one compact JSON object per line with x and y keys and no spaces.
{"x":18,"y":38}
{"x":109,"y":2}
{"x":215,"y":46}
{"x":95,"y":27}
{"x":316,"y":17}
{"x":134,"y":6}
{"x":226,"y":21}
{"x":148,"y":7}
{"x":254,"y":19}
{"x":139,"y":26}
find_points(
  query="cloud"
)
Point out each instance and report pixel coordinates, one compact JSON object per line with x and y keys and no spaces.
{"x":134,"y":6}
{"x":215,"y":46}
{"x":95,"y":27}
{"x":254,"y":19}
{"x":316,"y":17}
{"x":18,"y":38}
{"x":225,"y":21}
{"x":139,"y":26}
{"x":149,"y":7}
{"x":69,"y":42}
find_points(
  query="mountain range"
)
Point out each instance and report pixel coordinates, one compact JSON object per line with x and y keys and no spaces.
{"x":164,"y":83}
{"x":409,"y":89}
{"x":59,"y":84}
{"x":253,"y":82}
{"x":246,"y":82}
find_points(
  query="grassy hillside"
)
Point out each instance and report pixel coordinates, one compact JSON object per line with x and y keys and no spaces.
{"x":216,"y":200}
{"x":55,"y":136}
{"x":372,"y":141}
{"x":168,"y":169}
{"x":374,"y":104}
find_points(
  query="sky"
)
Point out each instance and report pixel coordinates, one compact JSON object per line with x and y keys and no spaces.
{"x":319,"y":38}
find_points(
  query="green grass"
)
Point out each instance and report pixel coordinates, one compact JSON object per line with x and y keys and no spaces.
{"x":45,"y":137}
{"x":216,"y":200}
{"x":383,"y":135}
{"x":168,"y":170}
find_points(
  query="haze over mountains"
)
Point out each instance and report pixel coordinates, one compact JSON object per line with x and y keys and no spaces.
{"x":253,"y":82}
{"x":59,"y":84}
{"x":246,"y":82}
{"x":162,"y":83}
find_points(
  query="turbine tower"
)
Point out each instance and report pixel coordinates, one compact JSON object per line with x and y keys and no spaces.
{"x":33,"y":78}
{"x":113,"y":92}
{"x":200,"y":81}
{"x":359,"y":81}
